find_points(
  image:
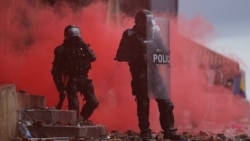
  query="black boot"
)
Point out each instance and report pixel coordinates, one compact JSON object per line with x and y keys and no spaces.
{"x":171,"y":134}
{"x":146,"y":135}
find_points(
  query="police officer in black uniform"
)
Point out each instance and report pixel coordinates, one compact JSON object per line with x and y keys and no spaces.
{"x":133,"y":49}
{"x":72,"y":62}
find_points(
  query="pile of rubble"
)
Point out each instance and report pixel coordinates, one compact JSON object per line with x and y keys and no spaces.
{"x":230,"y":134}
{"x":132,"y":136}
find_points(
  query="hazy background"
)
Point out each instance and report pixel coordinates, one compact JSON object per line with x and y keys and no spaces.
{"x":231,"y":31}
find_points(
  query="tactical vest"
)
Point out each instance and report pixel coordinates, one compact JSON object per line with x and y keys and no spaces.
{"x":75,"y":60}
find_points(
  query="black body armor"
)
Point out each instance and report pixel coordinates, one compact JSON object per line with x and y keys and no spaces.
{"x":133,"y":48}
{"x":71,"y":65}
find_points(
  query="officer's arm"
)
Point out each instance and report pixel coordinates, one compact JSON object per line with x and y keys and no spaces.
{"x":90,"y":53}
{"x":57,"y":69}
{"x":123,"y":52}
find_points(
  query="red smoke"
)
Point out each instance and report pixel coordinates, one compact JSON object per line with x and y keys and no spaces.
{"x":30,"y":32}
{"x":199,"y":105}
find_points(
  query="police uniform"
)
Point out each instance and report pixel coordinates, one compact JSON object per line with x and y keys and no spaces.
{"x":71,"y":65}
{"x":133,"y":49}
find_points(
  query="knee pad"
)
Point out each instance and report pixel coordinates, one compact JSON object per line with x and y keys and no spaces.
{"x":89,"y":108}
{"x":142,"y":101}
{"x":165,"y":104}
{"x":92,"y":104}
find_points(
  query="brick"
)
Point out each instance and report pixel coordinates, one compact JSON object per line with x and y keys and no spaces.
{"x":49,"y":116}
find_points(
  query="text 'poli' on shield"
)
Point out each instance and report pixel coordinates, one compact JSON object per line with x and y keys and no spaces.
{"x":161,"y":58}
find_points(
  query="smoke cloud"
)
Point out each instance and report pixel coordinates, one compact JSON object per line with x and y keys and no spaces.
{"x":30,"y":31}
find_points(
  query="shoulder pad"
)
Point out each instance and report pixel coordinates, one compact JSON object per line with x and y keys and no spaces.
{"x":58,"y":50}
{"x":129,"y":32}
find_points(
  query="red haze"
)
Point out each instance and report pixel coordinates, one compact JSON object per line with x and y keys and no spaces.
{"x":29,"y":34}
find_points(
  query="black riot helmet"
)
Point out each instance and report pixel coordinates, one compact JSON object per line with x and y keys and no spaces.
{"x":142,"y":16}
{"x":71,"y":31}
{"x":145,"y":23}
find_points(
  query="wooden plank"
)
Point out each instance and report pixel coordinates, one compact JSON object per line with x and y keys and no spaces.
{"x":8,"y":114}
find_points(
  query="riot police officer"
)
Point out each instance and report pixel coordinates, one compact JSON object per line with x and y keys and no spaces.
{"x":133,"y":49}
{"x":72,"y":62}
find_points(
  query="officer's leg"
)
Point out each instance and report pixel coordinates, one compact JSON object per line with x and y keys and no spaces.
{"x":139,"y":89}
{"x":72,"y":91}
{"x":167,"y":119}
{"x":143,"y":116}
{"x":91,"y":101}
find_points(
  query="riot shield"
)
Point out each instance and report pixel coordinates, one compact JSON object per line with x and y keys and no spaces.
{"x":158,"y":59}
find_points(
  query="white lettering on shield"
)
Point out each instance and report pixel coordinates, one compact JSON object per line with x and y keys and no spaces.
{"x":161,"y":58}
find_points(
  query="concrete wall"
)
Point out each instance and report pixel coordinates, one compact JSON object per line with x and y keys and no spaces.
{"x":8,"y":114}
